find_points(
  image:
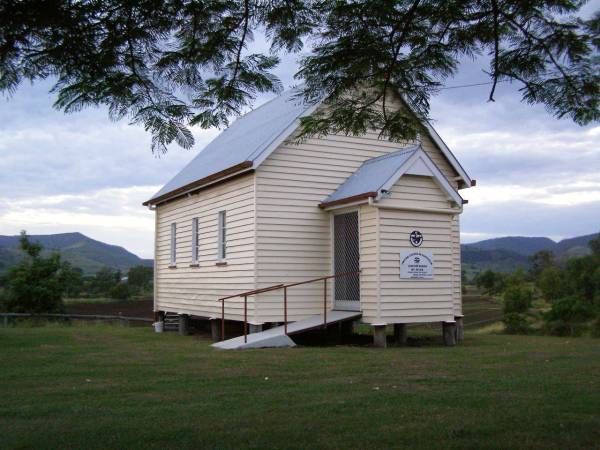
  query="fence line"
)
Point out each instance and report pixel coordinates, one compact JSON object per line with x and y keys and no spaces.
{"x":124,"y":319}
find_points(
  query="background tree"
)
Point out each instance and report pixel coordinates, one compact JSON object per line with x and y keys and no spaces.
{"x":490,"y":281}
{"x":104,"y":280}
{"x":170,"y":64}
{"x":540,"y":261}
{"x":551,"y":283}
{"x":37,"y":283}
{"x":140,"y":278}
{"x":73,"y":280}
{"x":120,"y":291}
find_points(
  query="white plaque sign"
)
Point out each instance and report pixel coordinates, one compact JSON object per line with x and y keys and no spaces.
{"x":416,"y":264}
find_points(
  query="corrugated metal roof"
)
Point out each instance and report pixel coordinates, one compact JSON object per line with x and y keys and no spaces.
{"x":245,"y":140}
{"x":373,"y":174}
{"x":251,"y":138}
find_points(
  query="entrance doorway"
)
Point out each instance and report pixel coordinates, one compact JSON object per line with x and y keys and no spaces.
{"x":346,"y":258}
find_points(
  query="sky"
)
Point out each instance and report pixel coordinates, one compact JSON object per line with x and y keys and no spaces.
{"x":536,"y":175}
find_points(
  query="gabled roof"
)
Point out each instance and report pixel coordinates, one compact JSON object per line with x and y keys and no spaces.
{"x":241,"y":146}
{"x":370,"y":177}
{"x":376,"y":176}
{"x":250,"y":140}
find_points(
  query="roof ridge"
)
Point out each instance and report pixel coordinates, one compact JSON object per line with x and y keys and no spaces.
{"x":401,"y":151}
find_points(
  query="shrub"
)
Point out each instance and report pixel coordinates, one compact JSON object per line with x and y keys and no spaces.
{"x":515,"y":323}
{"x":564,"y":328}
{"x":119,"y":292}
{"x":517,"y":298}
{"x":568,"y":317}
{"x":570,"y":309}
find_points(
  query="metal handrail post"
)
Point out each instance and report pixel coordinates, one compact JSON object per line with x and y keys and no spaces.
{"x":223,"y":319}
{"x":325,"y":303}
{"x":285,"y":310}
{"x":245,"y":318}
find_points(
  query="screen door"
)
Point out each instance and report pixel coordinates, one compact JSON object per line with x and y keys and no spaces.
{"x":346,"y":256}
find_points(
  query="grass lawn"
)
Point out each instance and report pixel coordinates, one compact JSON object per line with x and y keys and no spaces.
{"x":98,"y":386}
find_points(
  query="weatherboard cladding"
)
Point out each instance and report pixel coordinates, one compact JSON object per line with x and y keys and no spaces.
{"x":372,"y":175}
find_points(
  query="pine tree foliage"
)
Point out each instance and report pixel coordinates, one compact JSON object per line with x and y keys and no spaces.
{"x":172,"y":64}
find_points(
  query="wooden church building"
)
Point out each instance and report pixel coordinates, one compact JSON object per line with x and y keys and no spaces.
{"x":265,"y":231}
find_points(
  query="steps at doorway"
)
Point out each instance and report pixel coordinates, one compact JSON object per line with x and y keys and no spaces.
{"x":276,"y":337}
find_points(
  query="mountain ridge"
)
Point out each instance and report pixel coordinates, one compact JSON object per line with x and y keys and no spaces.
{"x":80,"y":250}
{"x":504,"y":254}
{"x":507,"y":253}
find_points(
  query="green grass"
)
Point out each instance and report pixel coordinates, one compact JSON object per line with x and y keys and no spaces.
{"x":114,"y":387}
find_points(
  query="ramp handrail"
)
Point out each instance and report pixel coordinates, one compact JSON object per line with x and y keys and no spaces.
{"x":276,"y":287}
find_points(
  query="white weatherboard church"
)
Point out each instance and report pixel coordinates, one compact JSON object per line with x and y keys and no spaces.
{"x":255,"y":209}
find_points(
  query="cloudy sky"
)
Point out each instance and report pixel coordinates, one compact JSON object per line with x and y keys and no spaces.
{"x":536,"y":175}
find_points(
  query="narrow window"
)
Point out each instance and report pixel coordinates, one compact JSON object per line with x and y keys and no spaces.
{"x":222,"y":244}
{"x":195,"y":240}
{"x":173,"y":244}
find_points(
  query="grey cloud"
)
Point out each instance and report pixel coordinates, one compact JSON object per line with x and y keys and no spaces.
{"x":525,"y":218}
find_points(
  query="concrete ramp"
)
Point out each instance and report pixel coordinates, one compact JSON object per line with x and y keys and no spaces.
{"x":276,"y":337}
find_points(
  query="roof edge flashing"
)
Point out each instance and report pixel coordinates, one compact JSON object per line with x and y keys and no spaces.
{"x":352,"y":199}
{"x":237,"y":169}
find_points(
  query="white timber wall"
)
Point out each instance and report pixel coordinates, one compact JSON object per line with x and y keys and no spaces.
{"x":293,"y":234}
{"x":456,"y":264}
{"x":369,"y":263}
{"x":195,"y":290}
{"x":406,"y":300}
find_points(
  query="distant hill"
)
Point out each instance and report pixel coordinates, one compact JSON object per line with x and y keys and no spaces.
{"x":506,"y":254}
{"x":81,"y":251}
{"x":522,"y":245}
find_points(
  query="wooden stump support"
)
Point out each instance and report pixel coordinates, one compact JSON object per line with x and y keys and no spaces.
{"x":400,"y":333}
{"x":215,"y":329}
{"x":449,"y":332}
{"x":460,"y":329}
{"x":379,"y":338}
{"x":184,"y":321}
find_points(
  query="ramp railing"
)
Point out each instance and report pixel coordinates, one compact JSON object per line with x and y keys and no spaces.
{"x":277,"y":287}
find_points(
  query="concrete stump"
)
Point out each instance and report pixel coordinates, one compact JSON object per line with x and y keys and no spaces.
{"x":252,"y":328}
{"x":460,"y":329}
{"x":400,"y":333}
{"x":449,"y":331}
{"x":184,"y":324}
{"x":379,"y":339}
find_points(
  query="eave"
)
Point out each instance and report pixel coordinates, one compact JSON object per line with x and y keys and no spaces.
{"x":199,"y":184}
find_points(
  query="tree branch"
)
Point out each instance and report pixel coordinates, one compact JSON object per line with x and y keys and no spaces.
{"x":246,"y":19}
{"x":496,"y":50}
{"x":540,"y":42}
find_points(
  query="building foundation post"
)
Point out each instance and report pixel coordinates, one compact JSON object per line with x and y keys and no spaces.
{"x":379,"y":339}
{"x":215,"y":329}
{"x":400,"y":333}
{"x":449,"y":332}
{"x":460,"y":328}
{"x":184,"y":320}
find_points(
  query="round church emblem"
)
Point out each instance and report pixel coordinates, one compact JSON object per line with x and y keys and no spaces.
{"x":416,"y":238}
